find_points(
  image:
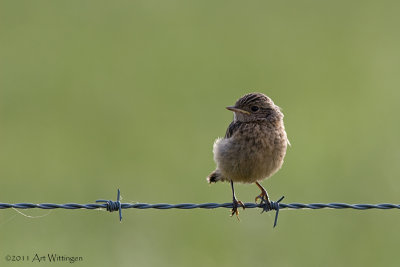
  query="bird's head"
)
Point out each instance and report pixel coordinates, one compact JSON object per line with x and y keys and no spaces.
{"x":255,"y":107}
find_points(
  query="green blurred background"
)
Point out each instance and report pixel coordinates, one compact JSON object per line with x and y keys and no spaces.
{"x":100,"y":95}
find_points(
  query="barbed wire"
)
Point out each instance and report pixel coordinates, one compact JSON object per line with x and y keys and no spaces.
{"x":111,"y":206}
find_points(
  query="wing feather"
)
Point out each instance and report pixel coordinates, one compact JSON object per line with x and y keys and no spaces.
{"x":232,"y":129}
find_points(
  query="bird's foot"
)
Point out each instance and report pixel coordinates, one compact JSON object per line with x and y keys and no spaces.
{"x":235,"y":205}
{"x":264,"y":198}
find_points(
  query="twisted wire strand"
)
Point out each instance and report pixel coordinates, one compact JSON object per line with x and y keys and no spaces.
{"x":163,"y":206}
{"x":111,"y":206}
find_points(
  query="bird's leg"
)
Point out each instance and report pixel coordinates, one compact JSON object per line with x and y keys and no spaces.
{"x":235,"y":203}
{"x":263,"y":196}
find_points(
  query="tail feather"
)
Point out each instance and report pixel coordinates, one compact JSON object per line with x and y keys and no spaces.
{"x":214,"y":177}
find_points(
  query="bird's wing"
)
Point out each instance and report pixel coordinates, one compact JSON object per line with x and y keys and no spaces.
{"x":232,"y":128}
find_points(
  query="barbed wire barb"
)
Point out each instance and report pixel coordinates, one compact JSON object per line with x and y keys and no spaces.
{"x":113,"y":206}
{"x":272,"y":206}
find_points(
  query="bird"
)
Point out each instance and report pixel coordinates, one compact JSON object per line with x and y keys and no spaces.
{"x":254,"y":146}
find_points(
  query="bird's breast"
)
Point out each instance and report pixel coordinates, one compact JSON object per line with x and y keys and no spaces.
{"x":253,"y":153}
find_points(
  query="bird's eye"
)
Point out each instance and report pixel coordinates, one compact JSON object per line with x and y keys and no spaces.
{"x":254,"y":108}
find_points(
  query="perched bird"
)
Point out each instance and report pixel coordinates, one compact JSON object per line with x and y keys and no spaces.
{"x":254,"y":145}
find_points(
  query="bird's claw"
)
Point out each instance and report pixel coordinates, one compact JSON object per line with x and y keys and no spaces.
{"x":264,"y":199}
{"x":235,"y":204}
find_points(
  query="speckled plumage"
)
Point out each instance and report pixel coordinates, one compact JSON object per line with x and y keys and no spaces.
{"x":255,"y":142}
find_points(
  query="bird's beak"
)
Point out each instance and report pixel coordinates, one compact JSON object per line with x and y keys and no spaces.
{"x":234,"y":109}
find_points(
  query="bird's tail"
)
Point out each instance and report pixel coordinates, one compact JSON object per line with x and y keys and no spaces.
{"x":214,"y":177}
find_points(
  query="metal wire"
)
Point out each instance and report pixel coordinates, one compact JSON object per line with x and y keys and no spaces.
{"x":111,"y":206}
